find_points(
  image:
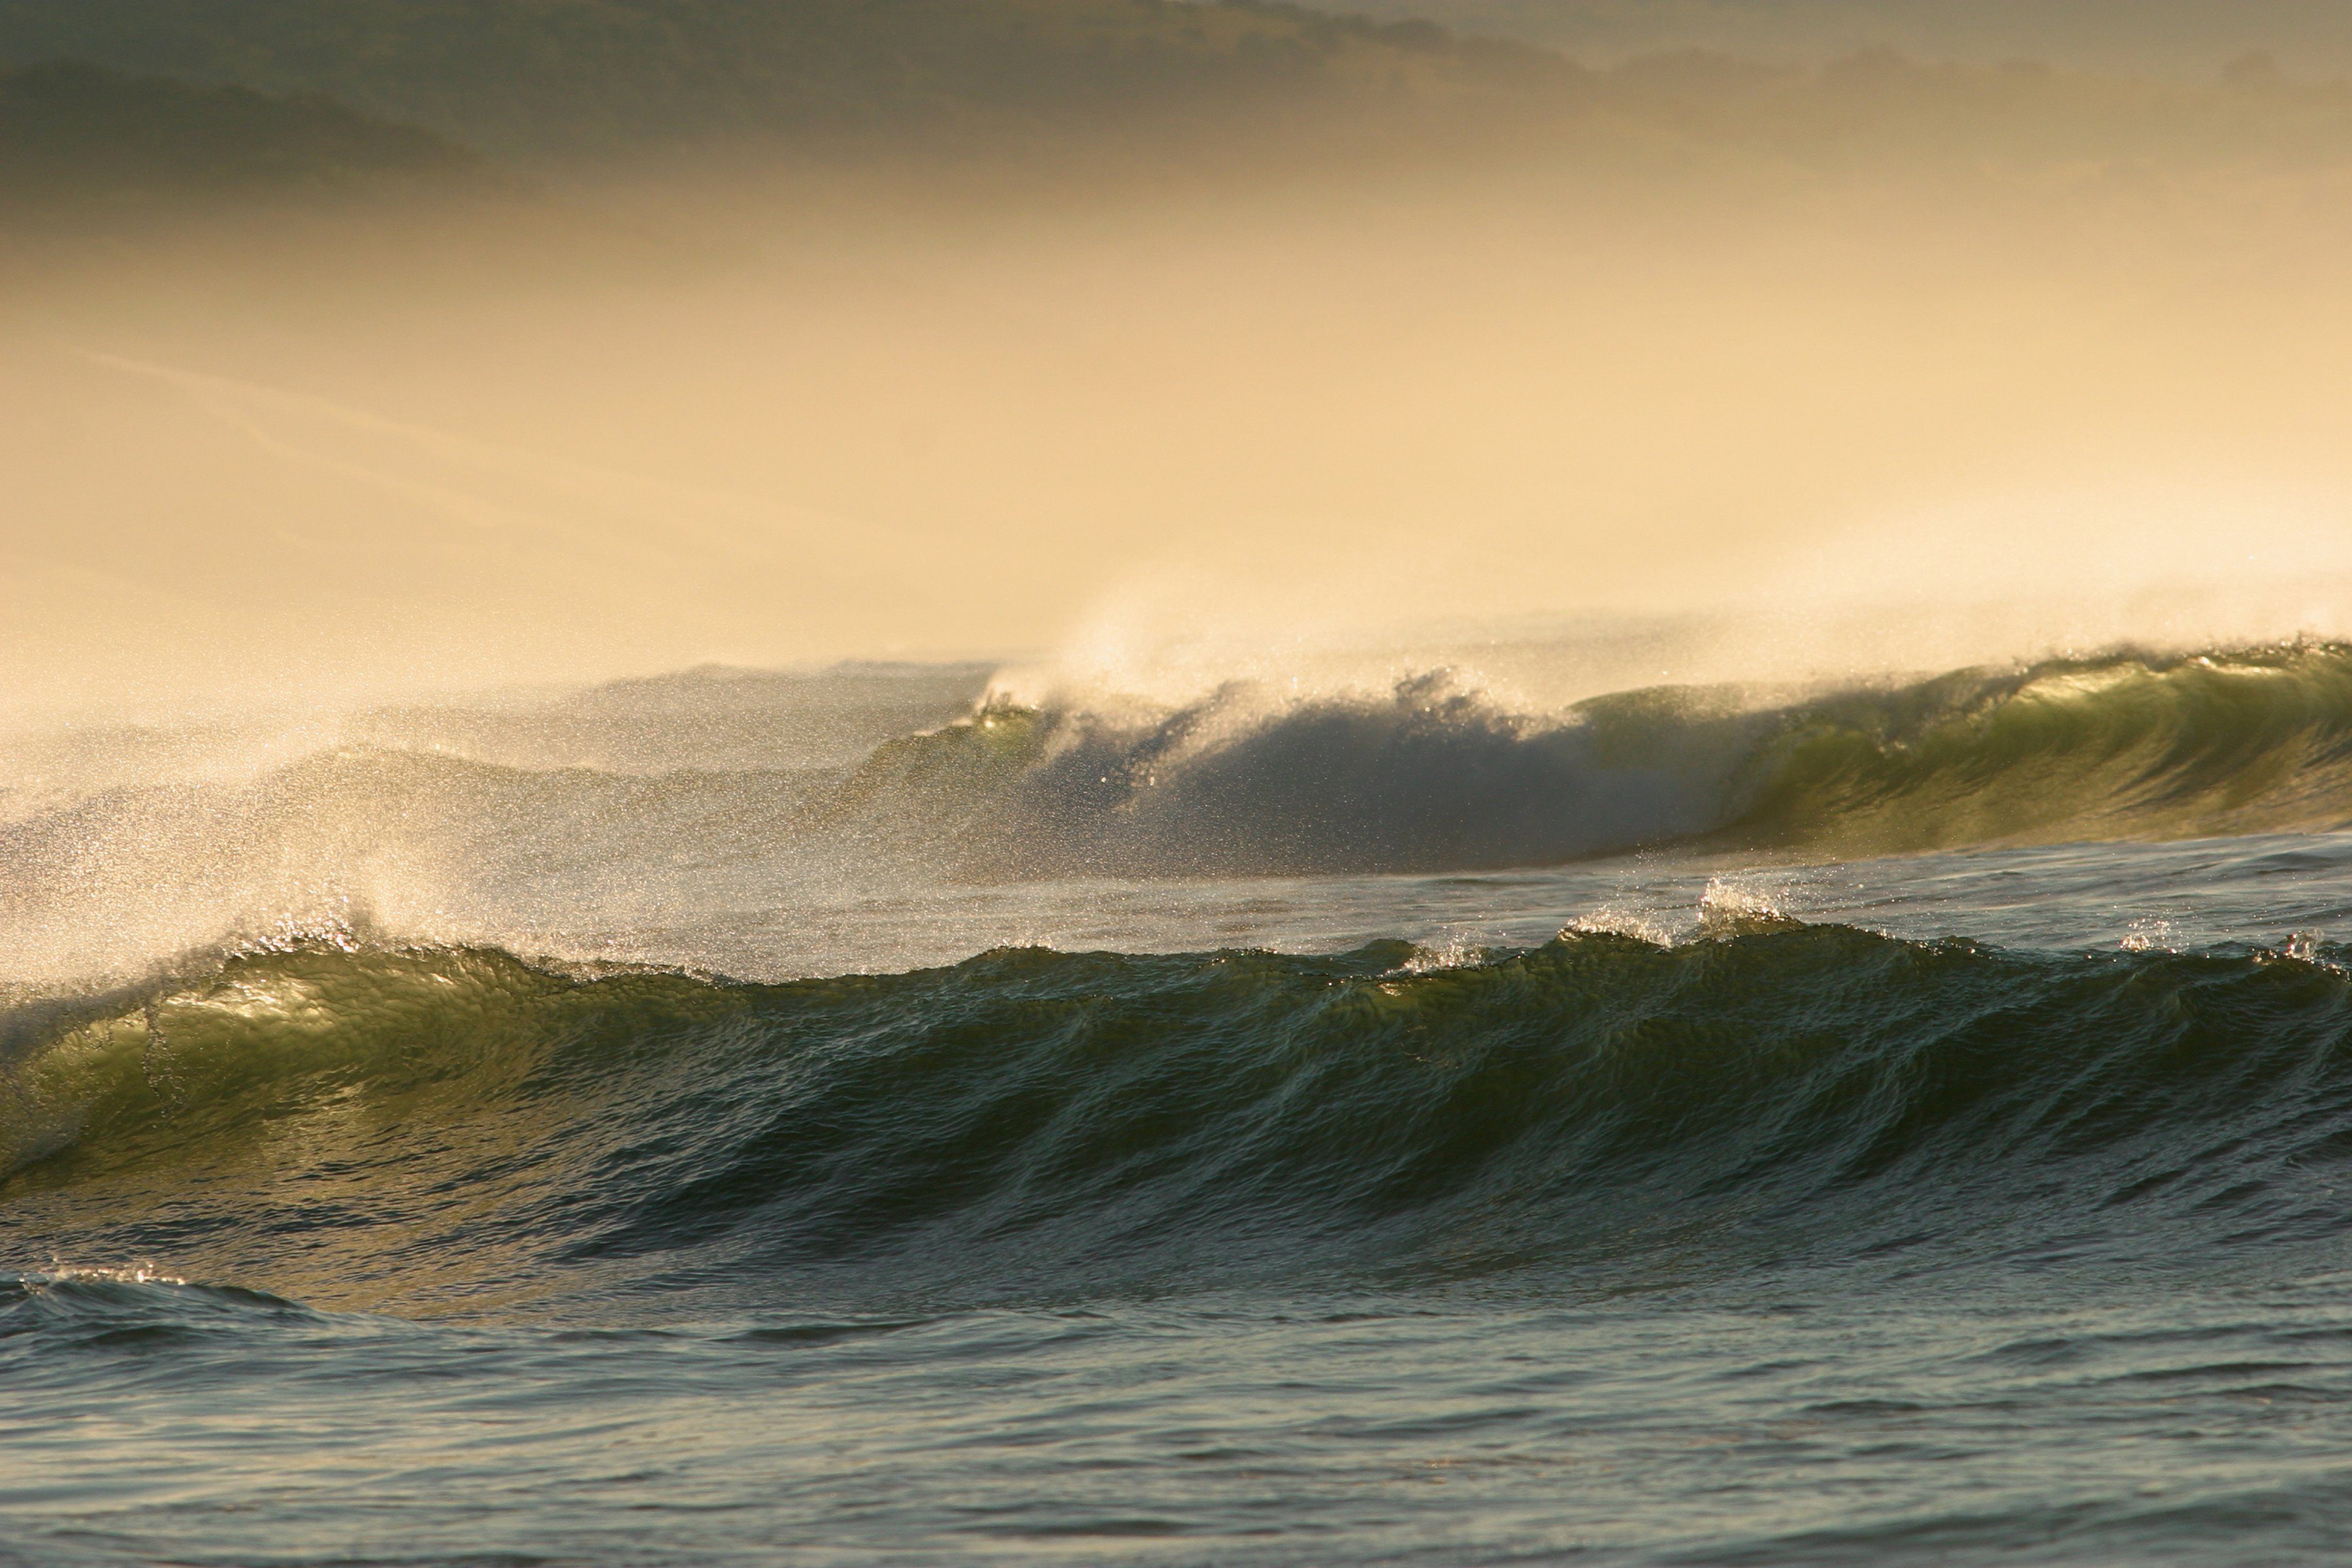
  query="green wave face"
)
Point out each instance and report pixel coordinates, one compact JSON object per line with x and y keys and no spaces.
{"x":454,"y":1131}
{"x":2252,"y":741}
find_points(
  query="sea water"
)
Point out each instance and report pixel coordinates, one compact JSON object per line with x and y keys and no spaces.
{"x":1910,"y":1123}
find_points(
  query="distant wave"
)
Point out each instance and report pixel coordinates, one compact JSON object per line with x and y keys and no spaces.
{"x":2249,"y":740}
{"x":1031,"y":1117}
{"x":1429,"y":777}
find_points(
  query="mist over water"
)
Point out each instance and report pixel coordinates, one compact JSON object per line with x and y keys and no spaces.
{"x":1184,"y":784}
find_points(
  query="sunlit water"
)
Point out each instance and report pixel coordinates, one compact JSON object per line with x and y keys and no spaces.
{"x":2008,"y":1224}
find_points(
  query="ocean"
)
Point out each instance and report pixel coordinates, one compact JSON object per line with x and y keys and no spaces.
{"x":860,"y":1116}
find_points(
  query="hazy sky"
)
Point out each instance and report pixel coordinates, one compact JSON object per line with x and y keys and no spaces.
{"x":759,"y":420}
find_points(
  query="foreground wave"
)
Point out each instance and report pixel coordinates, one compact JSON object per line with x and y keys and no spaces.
{"x":460,"y":1127}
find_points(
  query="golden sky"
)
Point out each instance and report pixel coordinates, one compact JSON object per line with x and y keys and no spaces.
{"x":764,"y":417}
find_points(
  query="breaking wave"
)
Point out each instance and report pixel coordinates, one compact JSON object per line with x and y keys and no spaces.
{"x":1427,"y":776}
{"x":1431,"y":777}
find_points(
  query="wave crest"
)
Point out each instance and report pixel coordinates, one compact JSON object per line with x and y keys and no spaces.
{"x":1029,"y":1116}
{"x":1431,"y":777}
